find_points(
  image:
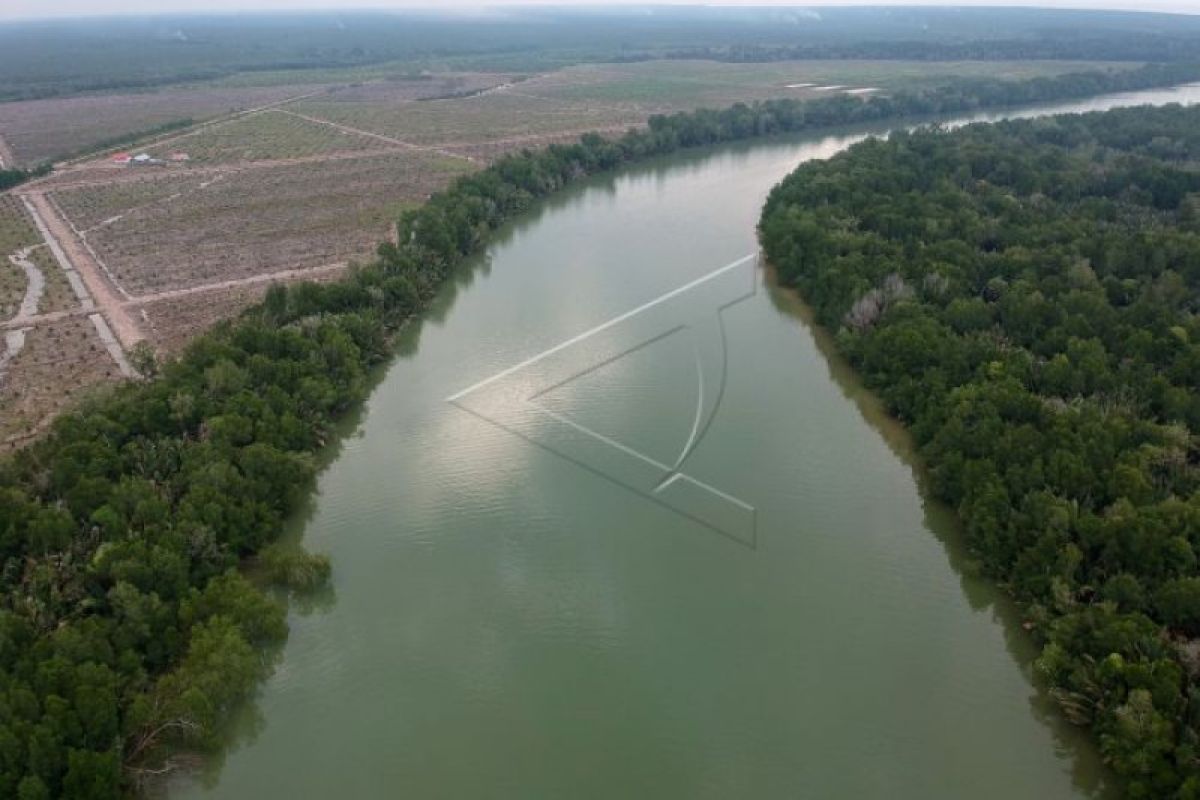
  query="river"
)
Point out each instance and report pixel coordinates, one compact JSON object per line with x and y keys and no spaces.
{"x":514,"y":614}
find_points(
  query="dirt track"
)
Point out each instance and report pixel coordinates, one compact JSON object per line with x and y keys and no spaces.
{"x":44,"y":319}
{"x":270,"y":277}
{"x":107,"y":175}
{"x":369,"y":134}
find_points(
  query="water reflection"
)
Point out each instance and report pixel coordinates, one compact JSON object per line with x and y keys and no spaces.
{"x":1072,"y":743}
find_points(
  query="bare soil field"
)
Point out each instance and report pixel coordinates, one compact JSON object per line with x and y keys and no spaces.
{"x":559,"y":105}
{"x":59,"y":363}
{"x":663,"y":86}
{"x":436,"y":88}
{"x":253,"y":221}
{"x":103,"y":203}
{"x":38,"y":130}
{"x":92,"y":173}
{"x":18,"y":235}
{"x":58,"y":295}
{"x":270,"y":135}
{"x":89,"y":276}
{"x":172,"y":322}
{"x":474,"y":120}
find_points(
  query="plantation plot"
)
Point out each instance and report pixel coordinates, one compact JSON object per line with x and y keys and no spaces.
{"x":57,"y":295}
{"x":38,"y":130}
{"x":19,"y":237}
{"x":676,"y":85}
{"x":264,"y":220}
{"x":59,"y":363}
{"x":15,"y":233}
{"x":104,"y":204}
{"x":494,"y":116}
{"x":660,"y":87}
{"x":95,"y":173}
{"x":258,"y":137}
{"x":172,"y":322}
{"x":439,"y":87}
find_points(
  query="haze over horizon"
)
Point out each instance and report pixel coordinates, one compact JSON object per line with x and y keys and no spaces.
{"x":41,"y":9}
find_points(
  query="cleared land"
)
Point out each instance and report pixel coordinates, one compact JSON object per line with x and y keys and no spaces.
{"x":193,"y":232}
{"x":172,"y":320}
{"x":273,"y":134}
{"x":558,"y":106}
{"x":16,"y":234}
{"x":92,"y":282}
{"x":59,"y":362}
{"x":432,"y":88}
{"x":662,"y":86}
{"x":475,"y":120}
{"x":37,"y":130}
{"x":54,"y":343}
{"x":18,"y":237}
{"x":105,"y":203}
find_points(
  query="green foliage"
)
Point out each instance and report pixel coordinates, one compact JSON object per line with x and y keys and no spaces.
{"x":294,"y":568}
{"x":14,"y":177}
{"x":124,"y":633}
{"x":1049,"y":366}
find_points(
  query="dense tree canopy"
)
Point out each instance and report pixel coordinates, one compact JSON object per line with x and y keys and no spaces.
{"x":127,"y":630}
{"x":12,"y":177}
{"x":1025,"y":295}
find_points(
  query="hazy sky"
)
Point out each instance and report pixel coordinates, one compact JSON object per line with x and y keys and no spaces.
{"x":13,"y":9}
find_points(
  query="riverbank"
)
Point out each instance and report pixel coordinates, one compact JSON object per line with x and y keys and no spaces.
{"x":1092,"y":539}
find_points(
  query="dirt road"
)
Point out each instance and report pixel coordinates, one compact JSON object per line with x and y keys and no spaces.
{"x":72,"y":255}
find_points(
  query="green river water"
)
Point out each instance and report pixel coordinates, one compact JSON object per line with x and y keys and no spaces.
{"x":510,"y":619}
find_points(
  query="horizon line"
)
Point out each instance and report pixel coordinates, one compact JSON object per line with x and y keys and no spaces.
{"x":455,"y":9}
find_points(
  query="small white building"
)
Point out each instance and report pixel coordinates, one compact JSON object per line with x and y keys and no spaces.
{"x":146,"y":160}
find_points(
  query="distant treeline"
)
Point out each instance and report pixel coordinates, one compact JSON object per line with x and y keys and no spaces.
{"x":1116,"y":47}
{"x":1025,"y":297}
{"x":14,"y":177}
{"x":132,"y":53}
{"x":127,"y":632}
